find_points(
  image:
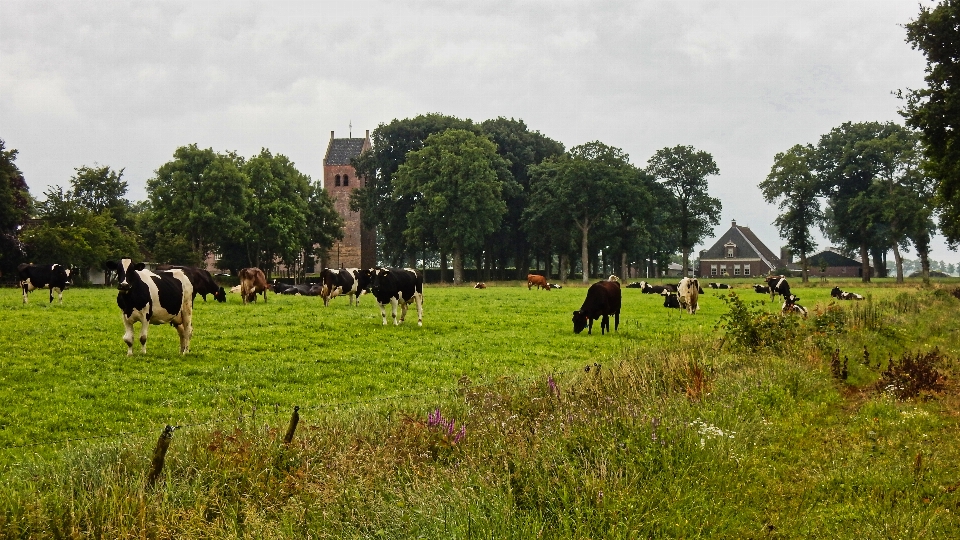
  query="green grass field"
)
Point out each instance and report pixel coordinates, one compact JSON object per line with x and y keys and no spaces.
{"x":680,"y":434}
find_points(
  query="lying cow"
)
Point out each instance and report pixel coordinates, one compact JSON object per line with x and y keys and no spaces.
{"x":148,"y":298}
{"x":202,"y":281}
{"x":635,"y":285}
{"x":843,"y":295}
{"x":480,"y":285}
{"x":538,"y":280}
{"x":47,"y":276}
{"x":761,"y":289}
{"x":252,"y":283}
{"x":790,"y":306}
{"x":647,"y":288}
{"x":556,"y":286}
{"x":303,"y":289}
{"x":778,"y":287}
{"x":719,"y":285}
{"x":603,"y":299}
{"x":279,"y":287}
{"x":397,"y":286}
{"x":688,"y":291}
{"x":670,"y":300}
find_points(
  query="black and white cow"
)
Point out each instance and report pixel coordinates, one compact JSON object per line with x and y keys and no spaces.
{"x":761,"y":289}
{"x":342,"y":281}
{"x":647,"y":288}
{"x":603,"y":299}
{"x":303,"y":289}
{"x":778,"y":287}
{"x":397,"y":286}
{"x":49,"y":276}
{"x":202,"y":281}
{"x":844,"y":295}
{"x":148,"y":298}
{"x":719,"y":285}
{"x":670,"y":300}
{"x":790,"y":306}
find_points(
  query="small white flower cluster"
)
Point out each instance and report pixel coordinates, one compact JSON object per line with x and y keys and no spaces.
{"x":709,"y":431}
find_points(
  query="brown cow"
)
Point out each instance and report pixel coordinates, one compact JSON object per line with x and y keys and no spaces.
{"x":480,"y":285}
{"x":252,"y":282}
{"x":538,"y":280}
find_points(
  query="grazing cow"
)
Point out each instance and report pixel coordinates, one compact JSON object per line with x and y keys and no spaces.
{"x":202,"y":281}
{"x":761,"y":289}
{"x":843,"y":295}
{"x":778,"y":287}
{"x":719,"y":285}
{"x":790,"y":306}
{"x":556,"y":286}
{"x":397,"y":286}
{"x":150,"y":298}
{"x":480,"y":285}
{"x":342,"y":281}
{"x":688,"y":291}
{"x":538,"y":280}
{"x":603,"y":299}
{"x":52,"y":276}
{"x":670,"y":300}
{"x":252,"y":282}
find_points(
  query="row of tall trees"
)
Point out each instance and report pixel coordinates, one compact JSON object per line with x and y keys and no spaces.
{"x":863,"y":186}
{"x":442,"y":186}
{"x":253,"y":212}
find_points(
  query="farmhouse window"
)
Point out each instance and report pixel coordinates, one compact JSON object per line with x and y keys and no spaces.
{"x":746,"y":269}
{"x":736,"y":270}
{"x":729,"y":252}
{"x":336,"y":180}
{"x":713,"y":269}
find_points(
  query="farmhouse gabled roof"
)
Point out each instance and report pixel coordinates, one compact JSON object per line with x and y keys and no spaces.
{"x":341,"y":151}
{"x":748,"y":246}
{"x":832,"y":258}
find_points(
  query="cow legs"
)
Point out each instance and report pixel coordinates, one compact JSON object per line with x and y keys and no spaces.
{"x":59,"y":294}
{"x":25,"y":291}
{"x":383,"y":312}
{"x":393,"y":308}
{"x":185,"y":329}
{"x":616,"y":321}
{"x":418,"y":298}
{"x":604,"y":324}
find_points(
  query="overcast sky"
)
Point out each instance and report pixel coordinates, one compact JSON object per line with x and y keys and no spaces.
{"x":124,"y":84}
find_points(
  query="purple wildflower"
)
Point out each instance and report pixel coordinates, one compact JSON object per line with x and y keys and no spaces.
{"x":460,"y":434}
{"x":435,"y":418}
{"x":553,"y":385}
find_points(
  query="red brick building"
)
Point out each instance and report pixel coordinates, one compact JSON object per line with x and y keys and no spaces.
{"x":358,"y":248}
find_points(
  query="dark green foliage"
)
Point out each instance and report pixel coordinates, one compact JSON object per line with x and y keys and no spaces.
{"x":754,"y":328}
{"x":15,"y":208}
{"x":913,"y":375}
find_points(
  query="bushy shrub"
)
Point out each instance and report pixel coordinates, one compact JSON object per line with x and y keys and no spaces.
{"x":912,"y":375}
{"x":751,"y":327}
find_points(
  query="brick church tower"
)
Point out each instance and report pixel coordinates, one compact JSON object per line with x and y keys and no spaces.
{"x":358,"y":248}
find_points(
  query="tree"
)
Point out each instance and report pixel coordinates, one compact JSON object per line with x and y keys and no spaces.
{"x":202,"y":195}
{"x":15,"y":207}
{"x":521,"y":148}
{"x":454,"y":187}
{"x":935,"y":110}
{"x":792,"y":182}
{"x":684,"y":170}
{"x":585,"y":184}
{"x":375,"y":201}
{"x":101,"y":189}
{"x":324,"y":224}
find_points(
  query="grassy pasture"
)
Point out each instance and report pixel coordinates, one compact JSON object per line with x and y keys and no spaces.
{"x":675,"y":437}
{"x":65,"y":373}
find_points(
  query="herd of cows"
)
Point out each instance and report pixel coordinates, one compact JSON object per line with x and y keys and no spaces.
{"x":166,"y":296}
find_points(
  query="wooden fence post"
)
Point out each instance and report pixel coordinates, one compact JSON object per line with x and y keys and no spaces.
{"x":159,"y":453}
{"x":294,"y":420}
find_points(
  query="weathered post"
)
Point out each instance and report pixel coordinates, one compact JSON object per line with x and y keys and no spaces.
{"x":294,"y":420}
{"x":159,"y":454}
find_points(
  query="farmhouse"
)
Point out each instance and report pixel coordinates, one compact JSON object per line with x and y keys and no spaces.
{"x":358,"y":247}
{"x":831,"y":263}
{"x":738,"y":252}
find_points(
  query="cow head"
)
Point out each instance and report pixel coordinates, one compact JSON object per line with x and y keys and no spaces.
{"x":377,"y":278}
{"x":123,"y":268}
{"x":836,"y":292}
{"x":220,"y":295}
{"x":579,"y":321}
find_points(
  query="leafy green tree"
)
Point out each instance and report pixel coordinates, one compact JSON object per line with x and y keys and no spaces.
{"x":793,"y":183}
{"x":70,"y":233}
{"x":684,"y":170}
{"x":521,"y":148}
{"x":375,"y":201}
{"x":455,"y":188}
{"x":202,"y":195}
{"x":276,"y":215}
{"x":324,"y":224}
{"x":935,"y":110}
{"x":15,"y":207}
{"x":585,"y":184}
{"x":101,"y":189}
